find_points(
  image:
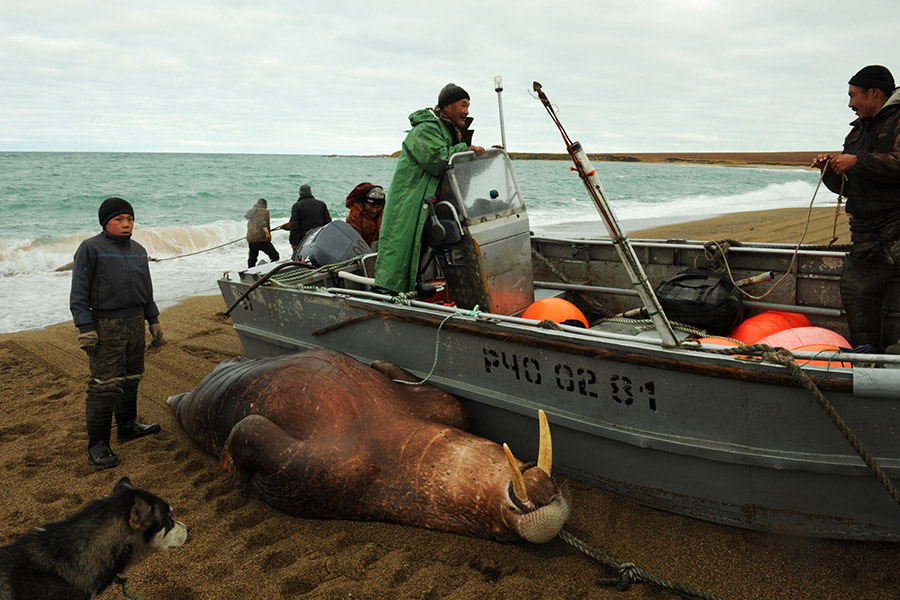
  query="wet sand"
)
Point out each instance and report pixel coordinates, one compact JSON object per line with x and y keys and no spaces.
{"x":241,"y":549}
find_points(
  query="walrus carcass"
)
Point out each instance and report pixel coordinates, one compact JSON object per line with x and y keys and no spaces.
{"x":319,"y":434}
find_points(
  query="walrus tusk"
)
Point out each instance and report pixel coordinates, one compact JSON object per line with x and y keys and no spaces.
{"x":545,"y":450}
{"x":518,"y":480}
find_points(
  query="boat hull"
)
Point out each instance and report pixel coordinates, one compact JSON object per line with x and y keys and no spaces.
{"x":709,"y":436}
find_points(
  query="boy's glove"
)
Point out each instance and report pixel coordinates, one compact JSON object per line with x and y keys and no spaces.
{"x":156,"y":335}
{"x":88,"y":341}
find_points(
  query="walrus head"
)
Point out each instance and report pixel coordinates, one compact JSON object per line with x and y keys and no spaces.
{"x":539,"y":509}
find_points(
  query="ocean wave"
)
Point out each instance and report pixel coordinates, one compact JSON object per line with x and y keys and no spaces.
{"x":20,"y":256}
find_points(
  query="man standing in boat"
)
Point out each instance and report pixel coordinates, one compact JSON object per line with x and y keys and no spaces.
{"x":437,"y":133}
{"x":867,"y":173}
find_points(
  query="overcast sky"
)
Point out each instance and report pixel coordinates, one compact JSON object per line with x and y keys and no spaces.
{"x":340,"y":76}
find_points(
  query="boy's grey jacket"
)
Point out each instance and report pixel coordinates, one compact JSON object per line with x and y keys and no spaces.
{"x":111,"y":279}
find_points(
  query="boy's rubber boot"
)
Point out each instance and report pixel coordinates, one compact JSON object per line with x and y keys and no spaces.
{"x":126,"y":417}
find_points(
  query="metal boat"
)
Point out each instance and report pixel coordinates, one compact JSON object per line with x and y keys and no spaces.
{"x":677,"y":426}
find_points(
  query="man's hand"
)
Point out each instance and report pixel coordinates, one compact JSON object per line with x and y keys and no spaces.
{"x":88,"y":341}
{"x":476,"y":149}
{"x":156,"y":335}
{"x":821,"y":161}
{"x":842,"y":163}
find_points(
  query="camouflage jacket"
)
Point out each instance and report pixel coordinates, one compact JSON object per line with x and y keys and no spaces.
{"x":258,"y":226}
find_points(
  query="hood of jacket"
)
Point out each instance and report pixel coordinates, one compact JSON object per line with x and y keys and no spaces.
{"x":423,"y":115}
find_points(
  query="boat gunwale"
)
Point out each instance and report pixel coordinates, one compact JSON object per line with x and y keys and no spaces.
{"x":740,"y":369}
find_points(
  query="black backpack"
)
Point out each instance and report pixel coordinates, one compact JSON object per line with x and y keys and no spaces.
{"x":702,"y":298}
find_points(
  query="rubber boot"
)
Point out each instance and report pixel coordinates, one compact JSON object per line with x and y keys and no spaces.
{"x":864,"y":287}
{"x":99,"y":411}
{"x":126,"y":417}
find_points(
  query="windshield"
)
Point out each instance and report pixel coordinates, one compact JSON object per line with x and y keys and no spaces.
{"x":485,"y":185}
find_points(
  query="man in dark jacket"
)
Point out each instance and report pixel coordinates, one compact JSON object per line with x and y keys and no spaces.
{"x":307,"y":213}
{"x":111,"y":297}
{"x":868,"y":174}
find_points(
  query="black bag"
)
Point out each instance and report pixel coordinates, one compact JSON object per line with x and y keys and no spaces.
{"x":702,"y":298}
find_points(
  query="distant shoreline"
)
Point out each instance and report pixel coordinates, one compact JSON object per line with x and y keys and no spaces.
{"x":774,"y":159}
{"x":734,"y":159}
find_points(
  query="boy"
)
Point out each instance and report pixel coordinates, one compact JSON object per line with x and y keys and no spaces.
{"x":111,"y":297}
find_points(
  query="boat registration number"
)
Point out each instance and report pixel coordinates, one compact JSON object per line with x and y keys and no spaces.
{"x":568,"y":378}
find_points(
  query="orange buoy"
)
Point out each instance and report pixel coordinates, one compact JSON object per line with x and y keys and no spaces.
{"x":795,"y":337}
{"x":826,"y":350}
{"x":556,"y":310}
{"x":772,"y":321}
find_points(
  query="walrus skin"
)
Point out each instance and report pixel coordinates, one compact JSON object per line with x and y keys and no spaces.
{"x":319,"y":434}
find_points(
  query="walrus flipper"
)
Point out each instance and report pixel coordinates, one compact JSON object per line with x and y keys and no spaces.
{"x":423,"y":401}
{"x":280,"y":467}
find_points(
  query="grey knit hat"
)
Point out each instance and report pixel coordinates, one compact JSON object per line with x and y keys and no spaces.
{"x":451,"y":93}
{"x":305,"y":190}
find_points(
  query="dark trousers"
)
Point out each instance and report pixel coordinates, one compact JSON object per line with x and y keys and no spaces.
{"x":116,"y":369}
{"x":868,"y":270}
{"x":257,"y":247}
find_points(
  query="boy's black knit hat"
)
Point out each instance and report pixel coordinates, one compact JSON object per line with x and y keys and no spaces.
{"x":113,"y":207}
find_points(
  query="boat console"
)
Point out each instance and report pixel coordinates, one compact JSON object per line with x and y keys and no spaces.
{"x":478,"y":229}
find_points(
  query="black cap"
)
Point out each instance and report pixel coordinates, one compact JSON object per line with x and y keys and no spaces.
{"x":113,"y":207}
{"x":262,"y":202}
{"x":450,"y":94}
{"x":873,"y":76}
{"x":305,"y":190}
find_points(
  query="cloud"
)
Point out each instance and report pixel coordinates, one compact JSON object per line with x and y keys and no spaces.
{"x":342,"y":76}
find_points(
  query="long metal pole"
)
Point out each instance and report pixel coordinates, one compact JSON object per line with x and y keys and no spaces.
{"x":498,"y":87}
{"x":626,"y":253}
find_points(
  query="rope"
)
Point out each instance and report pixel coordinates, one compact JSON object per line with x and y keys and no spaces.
{"x":837,"y":209}
{"x":198,"y":251}
{"x":458,"y":312}
{"x":785,"y":358}
{"x":723,"y":252}
{"x":628,"y":573}
{"x":124,"y":581}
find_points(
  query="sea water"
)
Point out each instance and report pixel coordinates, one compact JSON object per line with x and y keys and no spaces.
{"x":189,"y":209}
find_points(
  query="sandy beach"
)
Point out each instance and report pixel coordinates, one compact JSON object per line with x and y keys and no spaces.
{"x":241,"y":549}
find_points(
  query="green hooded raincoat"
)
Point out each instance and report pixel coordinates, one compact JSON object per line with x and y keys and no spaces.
{"x":423,"y":159}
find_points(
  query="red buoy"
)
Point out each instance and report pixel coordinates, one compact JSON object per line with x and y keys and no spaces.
{"x":772,"y":321}
{"x":793,"y":338}
{"x":556,"y":310}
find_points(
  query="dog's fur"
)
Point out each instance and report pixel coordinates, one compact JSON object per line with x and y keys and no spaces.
{"x":79,"y":557}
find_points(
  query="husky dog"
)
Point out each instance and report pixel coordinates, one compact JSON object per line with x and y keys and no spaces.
{"x":79,"y":557}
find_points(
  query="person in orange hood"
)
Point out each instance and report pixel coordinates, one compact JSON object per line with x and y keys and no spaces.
{"x":366,"y":204}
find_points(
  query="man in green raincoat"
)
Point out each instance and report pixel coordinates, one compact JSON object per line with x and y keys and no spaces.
{"x":436,"y":134}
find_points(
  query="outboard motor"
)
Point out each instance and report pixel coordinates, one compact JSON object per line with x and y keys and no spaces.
{"x":479,"y":230}
{"x":331,"y":243}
